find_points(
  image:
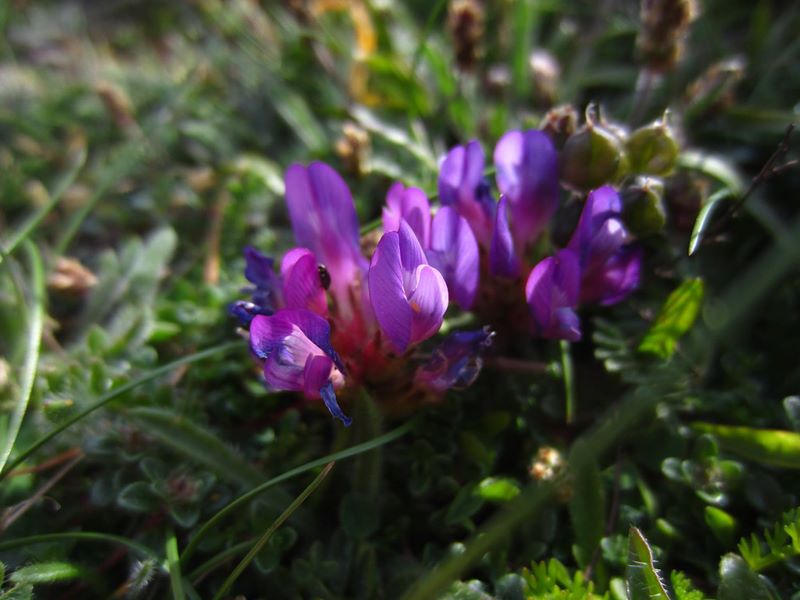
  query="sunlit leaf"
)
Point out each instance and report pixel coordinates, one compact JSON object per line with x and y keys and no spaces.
{"x":675,"y":318}
{"x":766,"y":446}
{"x":642,"y":578}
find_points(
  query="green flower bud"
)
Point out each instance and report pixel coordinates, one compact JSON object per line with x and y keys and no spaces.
{"x":594,"y":155}
{"x":652,"y":149}
{"x":643,"y":206}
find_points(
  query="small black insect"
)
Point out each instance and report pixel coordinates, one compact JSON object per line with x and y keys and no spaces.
{"x":324,"y":276}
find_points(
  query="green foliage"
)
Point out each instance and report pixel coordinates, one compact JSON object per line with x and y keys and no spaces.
{"x":551,"y":580}
{"x":643,"y":580}
{"x":674,"y":319}
{"x":779,"y":543}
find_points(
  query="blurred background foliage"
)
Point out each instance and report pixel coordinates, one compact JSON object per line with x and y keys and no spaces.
{"x":142,"y":146}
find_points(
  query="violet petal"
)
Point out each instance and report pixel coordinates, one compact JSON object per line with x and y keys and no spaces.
{"x":527,"y":174}
{"x":454,"y":253}
{"x":409,"y":204}
{"x":552,"y":294}
{"x":503,"y":261}
{"x":302,"y":287}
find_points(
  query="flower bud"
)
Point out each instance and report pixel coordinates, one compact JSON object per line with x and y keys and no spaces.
{"x":643,"y":206}
{"x":652,"y":149}
{"x":559,"y":124}
{"x":593,"y":156}
{"x":465,"y":21}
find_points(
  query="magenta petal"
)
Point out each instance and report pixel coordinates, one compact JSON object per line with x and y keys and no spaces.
{"x":600,"y":232}
{"x":302,"y":287}
{"x":615,"y":280}
{"x":527,"y":173}
{"x":324,"y":220}
{"x":454,"y":253}
{"x":461,"y":186}
{"x":387,"y":294}
{"x":428,"y":303}
{"x":408,"y":296}
{"x":409,"y":204}
{"x":316,"y":373}
{"x":503,"y":261}
{"x":552,"y":295}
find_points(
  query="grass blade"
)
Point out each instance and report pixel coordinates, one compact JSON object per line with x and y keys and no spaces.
{"x":115,"y":393}
{"x":49,"y":538}
{"x":197,"y":443}
{"x":33,"y":221}
{"x":174,"y":566}
{"x":35,"y":324}
{"x":272,"y":529}
{"x":246,"y":497}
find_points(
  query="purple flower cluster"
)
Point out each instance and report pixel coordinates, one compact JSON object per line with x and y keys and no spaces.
{"x":334,"y":319}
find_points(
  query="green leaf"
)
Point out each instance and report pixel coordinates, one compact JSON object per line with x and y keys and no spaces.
{"x":766,"y":446}
{"x":683,"y":588}
{"x":704,"y":218}
{"x":714,"y":167}
{"x":587,"y":506}
{"x":138,"y":496}
{"x":465,"y":504}
{"x":359,"y":516}
{"x":675,"y":318}
{"x":34,"y":316}
{"x":19,"y":592}
{"x":642,"y":578}
{"x":174,"y":567}
{"x":49,"y":572}
{"x":738,"y":582}
{"x":722,"y":524}
{"x":498,"y":489}
{"x":197,"y":443}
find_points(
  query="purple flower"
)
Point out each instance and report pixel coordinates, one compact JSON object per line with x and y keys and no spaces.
{"x":503,"y":262}
{"x":527,"y":174}
{"x":457,"y":362}
{"x":609,"y":268}
{"x":552,"y":292}
{"x":296,"y":349}
{"x":462,"y":186}
{"x":260,"y":271}
{"x":408,"y":296}
{"x":324,"y":221}
{"x":409,"y":204}
{"x":454,"y":253}
{"x":618,"y":277}
{"x":302,"y":286}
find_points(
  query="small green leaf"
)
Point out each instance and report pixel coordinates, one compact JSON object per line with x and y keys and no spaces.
{"x":197,"y":443}
{"x":18,"y":592}
{"x":498,"y":489}
{"x":50,"y":572}
{"x":722,"y":525}
{"x":138,"y":496}
{"x":766,"y":446}
{"x":642,"y":578}
{"x":465,"y":504}
{"x":704,"y":218}
{"x":675,"y":318}
{"x":587,"y":507}
{"x":358,"y":514}
{"x":738,"y":582}
{"x":683,"y":588}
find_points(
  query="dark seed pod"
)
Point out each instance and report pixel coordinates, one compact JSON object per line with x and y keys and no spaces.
{"x":652,"y":149}
{"x":643,"y":206}
{"x":594,"y":155}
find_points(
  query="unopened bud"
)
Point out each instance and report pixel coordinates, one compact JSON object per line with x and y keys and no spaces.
{"x":71,"y":277}
{"x":117,"y":104}
{"x":353,"y":148}
{"x":545,"y":72}
{"x":593,"y":156}
{"x":664,"y":24}
{"x":643,"y":206}
{"x":714,"y":89}
{"x":560,"y":123}
{"x":652,"y":149}
{"x":465,"y":21}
